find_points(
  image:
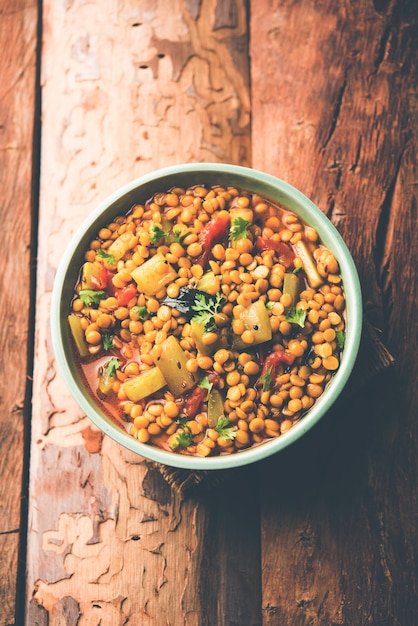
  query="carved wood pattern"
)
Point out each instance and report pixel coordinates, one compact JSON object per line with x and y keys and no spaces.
{"x":126,"y":88}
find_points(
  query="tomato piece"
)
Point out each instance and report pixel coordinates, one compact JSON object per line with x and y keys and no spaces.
{"x":283,"y":250}
{"x":105,"y":278}
{"x":194,"y":401}
{"x":214,"y":232}
{"x":277,"y":357}
{"x":213,"y":377}
{"x":97,"y":284}
{"x":124,"y":295}
{"x":273,"y":360}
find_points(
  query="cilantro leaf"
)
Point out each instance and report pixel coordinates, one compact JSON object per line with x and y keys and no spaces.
{"x":183,"y":439}
{"x":296,"y":316}
{"x":141,"y":311}
{"x":239,"y":228}
{"x":109,"y":258}
{"x":266,"y":379}
{"x":182,"y":420}
{"x":340,"y":337}
{"x":108,"y":342}
{"x":223,"y":431}
{"x":156,"y":233}
{"x":179,"y":235}
{"x":206,"y":384}
{"x":89,"y":297}
{"x":206,"y":307}
{"x":111,"y":366}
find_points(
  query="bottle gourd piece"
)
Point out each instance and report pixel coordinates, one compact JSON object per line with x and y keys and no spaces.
{"x":256,"y":319}
{"x":154,"y":274}
{"x":144,"y":385}
{"x":172,"y":363}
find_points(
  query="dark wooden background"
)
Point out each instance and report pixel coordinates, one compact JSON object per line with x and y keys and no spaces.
{"x":322,"y":94}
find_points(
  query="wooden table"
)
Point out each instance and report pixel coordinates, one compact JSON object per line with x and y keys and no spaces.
{"x":321,"y":94}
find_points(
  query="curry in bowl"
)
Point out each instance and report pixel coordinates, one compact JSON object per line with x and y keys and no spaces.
{"x":207,"y":320}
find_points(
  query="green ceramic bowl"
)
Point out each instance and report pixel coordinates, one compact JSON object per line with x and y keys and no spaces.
{"x":185,"y":175}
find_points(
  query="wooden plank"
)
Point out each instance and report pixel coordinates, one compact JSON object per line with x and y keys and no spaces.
{"x":18,"y":40}
{"x":128,"y":87}
{"x":334,"y":110}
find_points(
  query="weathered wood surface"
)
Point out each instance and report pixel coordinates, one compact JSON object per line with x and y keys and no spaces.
{"x":127,"y":88}
{"x":18,"y":25}
{"x":327,"y":532}
{"x":334,"y":112}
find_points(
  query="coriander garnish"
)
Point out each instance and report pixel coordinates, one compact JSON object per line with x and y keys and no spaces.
{"x":108,"y":342}
{"x":296,"y":316}
{"x":105,"y":256}
{"x":266,"y":379}
{"x":89,"y":297}
{"x":340,"y":337}
{"x":141,"y":311}
{"x":156,"y":233}
{"x":183,"y":439}
{"x":239,"y":228}
{"x":206,"y":308}
{"x":223,"y":430}
{"x":111,"y":366}
{"x":206,"y":384}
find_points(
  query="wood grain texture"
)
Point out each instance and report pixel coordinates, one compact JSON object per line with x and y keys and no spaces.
{"x":17,"y":105}
{"x":334,"y":110}
{"x":127,"y":87}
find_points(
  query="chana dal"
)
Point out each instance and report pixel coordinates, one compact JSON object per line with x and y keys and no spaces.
{"x":207,"y":320}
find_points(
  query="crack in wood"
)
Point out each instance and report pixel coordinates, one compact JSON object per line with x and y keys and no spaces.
{"x":322,"y":604}
{"x":354,"y":165}
{"x":336,"y":113}
{"x":13,"y":531}
{"x":304,"y":605}
{"x":305,"y":539}
{"x":270,"y":609}
{"x":384,"y":240}
{"x":382,"y":48}
{"x":18,"y":408}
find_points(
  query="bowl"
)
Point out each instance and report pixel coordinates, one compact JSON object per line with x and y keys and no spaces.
{"x":138,"y":191}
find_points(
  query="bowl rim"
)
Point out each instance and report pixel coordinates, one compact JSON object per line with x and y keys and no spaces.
{"x":260,"y":182}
